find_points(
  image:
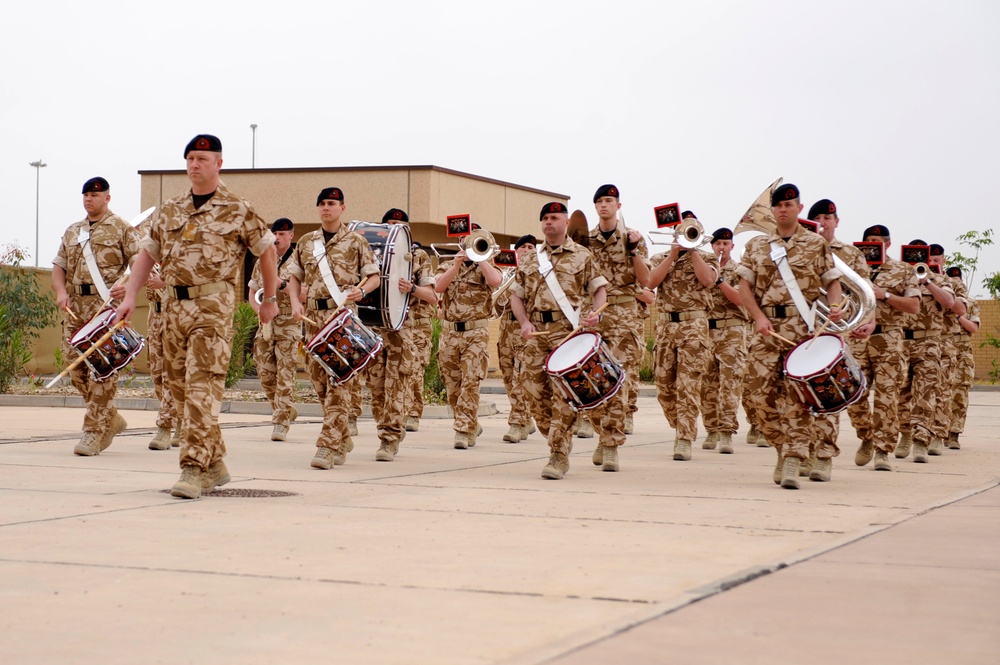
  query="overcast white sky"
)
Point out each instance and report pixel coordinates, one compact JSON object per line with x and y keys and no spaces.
{"x":886,"y":107}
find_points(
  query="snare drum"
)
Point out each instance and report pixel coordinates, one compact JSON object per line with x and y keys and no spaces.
{"x":584,"y":371}
{"x":343,"y":346}
{"x":386,"y":307}
{"x":825,"y":374}
{"x":115,"y":352}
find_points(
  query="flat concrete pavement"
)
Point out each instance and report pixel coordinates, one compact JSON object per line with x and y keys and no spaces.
{"x":468,"y":556}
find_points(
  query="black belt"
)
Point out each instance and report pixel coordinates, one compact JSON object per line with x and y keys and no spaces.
{"x":326,"y":303}
{"x":86,"y":290}
{"x":512,"y":317}
{"x":157,"y":307}
{"x":780,"y":311}
{"x":549,"y":316}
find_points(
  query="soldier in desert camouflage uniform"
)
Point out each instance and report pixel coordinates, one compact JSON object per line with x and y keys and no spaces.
{"x":466,"y":299}
{"x":510,"y":355}
{"x":919,"y":392}
{"x":418,"y":320}
{"x":388,"y":374}
{"x":950,"y":332}
{"x":820,"y":465}
{"x":783,"y":419}
{"x":351,"y":262}
{"x":896,"y":294}
{"x":684,"y":280}
{"x":166,"y":415}
{"x":275,"y":347}
{"x":545,"y":326}
{"x":964,"y":370}
{"x":199,"y":240}
{"x":114,"y":244}
{"x":620,"y":254}
{"x":720,"y":385}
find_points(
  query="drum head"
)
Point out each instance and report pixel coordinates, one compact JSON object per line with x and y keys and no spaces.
{"x":814,"y":355}
{"x":572,"y":352}
{"x":99,"y":324}
{"x":397,"y":262}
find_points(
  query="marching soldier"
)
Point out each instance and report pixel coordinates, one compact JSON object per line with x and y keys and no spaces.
{"x":510,"y":352}
{"x":720,"y":385}
{"x":275,"y":347}
{"x":780,"y":277}
{"x":333,"y":254}
{"x":949,"y":353}
{"x":466,"y":299}
{"x":199,"y":240}
{"x":964,"y":372}
{"x":418,"y":319}
{"x":93,"y":256}
{"x":546,"y":295}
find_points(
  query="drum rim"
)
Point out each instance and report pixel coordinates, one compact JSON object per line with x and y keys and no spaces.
{"x":597,"y":345}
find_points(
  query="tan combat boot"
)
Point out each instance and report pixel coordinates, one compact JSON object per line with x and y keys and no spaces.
{"x":682,"y":450}
{"x":919,"y":452}
{"x":953,"y":443}
{"x":557,"y":467}
{"x":531,"y":429}
{"x":822,"y":470}
{"x":725,"y":443}
{"x":175,"y":438}
{"x":806,"y":466}
{"x":629,"y":424}
{"x":777,"y":469}
{"x":279,"y":432}
{"x":216,"y":476}
{"x":936,"y":448}
{"x":293,"y":414}
{"x":586,"y":429}
{"x":385,"y":453}
{"x":905,"y":442}
{"x":323,"y":458}
{"x":865,"y":452}
{"x":515,"y":434}
{"x":412,"y":424}
{"x":89,"y":445}
{"x":189,"y":485}
{"x":753,"y":435}
{"x":161,"y":440}
{"x":117,"y":426}
{"x":598,"y":458}
{"x":790,"y":473}
{"x":461,"y":440}
{"x":352,"y":425}
{"x":882,"y":461}
{"x":610,"y":458}
{"x":710,"y":441}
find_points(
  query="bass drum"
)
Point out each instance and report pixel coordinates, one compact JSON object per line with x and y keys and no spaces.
{"x":386,"y":307}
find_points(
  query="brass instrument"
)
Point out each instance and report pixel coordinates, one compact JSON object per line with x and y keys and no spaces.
{"x":922,"y":271}
{"x":689,"y":234}
{"x":859,"y":298}
{"x":506,"y":280}
{"x":479,"y":246}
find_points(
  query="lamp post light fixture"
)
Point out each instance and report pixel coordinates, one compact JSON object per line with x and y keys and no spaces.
{"x":38,"y":166}
{"x":253,"y":152}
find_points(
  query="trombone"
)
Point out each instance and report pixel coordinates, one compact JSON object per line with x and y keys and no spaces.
{"x":479,"y":246}
{"x":689,"y":234}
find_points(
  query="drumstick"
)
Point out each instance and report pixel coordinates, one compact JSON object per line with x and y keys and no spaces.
{"x":105,"y":337}
{"x":303,"y":317}
{"x":580,"y":326}
{"x":783,"y":339}
{"x":825,"y":325}
{"x":70,"y":312}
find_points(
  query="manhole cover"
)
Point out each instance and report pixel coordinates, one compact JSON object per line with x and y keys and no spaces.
{"x":244,"y":493}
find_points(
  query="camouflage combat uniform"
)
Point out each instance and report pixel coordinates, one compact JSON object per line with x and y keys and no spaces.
{"x":621,"y":324}
{"x":721,"y":384}
{"x":463,"y":352}
{"x":578,"y":276}
{"x":828,"y":425}
{"x":780,"y":415}
{"x":682,"y":343}
{"x":950,"y":333}
{"x":201,"y":253}
{"x":418,"y":320}
{"x":166,"y":415}
{"x":351,"y":261}
{"x":510,"y":355}
{"x":276,"y":358}
{"x":964,"y":375}
{"x":114,"y":243}
{"x":919,"y":392}
{"x":882,"y":360}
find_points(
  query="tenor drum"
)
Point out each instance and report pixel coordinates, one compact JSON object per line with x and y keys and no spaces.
{"x":343,"y":346}
{"x":386,"y":307}
{"x":583,"y":369}
{"x":824,"y":374}
{"x":115,"y":352}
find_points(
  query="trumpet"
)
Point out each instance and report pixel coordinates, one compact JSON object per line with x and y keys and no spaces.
{"x":689,"y":234}
{"x":479,"y":246}
{"x":922,"y":271}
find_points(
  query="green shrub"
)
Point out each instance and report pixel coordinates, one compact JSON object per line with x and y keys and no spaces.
{"x":14,"y":353}
{"x":25,"y":311}
{"x":434,"y":390}
{"x":241,"y":360}
{"x":647,"y":372}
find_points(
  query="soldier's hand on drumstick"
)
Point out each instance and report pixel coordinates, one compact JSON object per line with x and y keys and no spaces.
{"x":763,"y":325}
{"x":405,"y":285}
{"x":118,"y":290}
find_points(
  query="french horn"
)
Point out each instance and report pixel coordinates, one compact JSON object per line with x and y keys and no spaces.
{"x":859,"y":298}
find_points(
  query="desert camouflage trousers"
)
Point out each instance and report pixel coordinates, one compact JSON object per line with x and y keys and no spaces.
{"x":388,"y":376}
{"x":335,"y":398}
{"x":882,"y":362}
{"x":166,"y":415}
{"x":621,"y":329}
{"x":774,"y":404}
{"x":97,"y":395}
{"x":946,"y":387}
{"x":463,"y":358}
{"x":422,"y":334}
{"x":276,"y":360}
{"x":827,"y":425}
{"x":510,"y":351}
{"x":918,"y":391}
{"x":197,"y":344}
{"x":963,"y":375}
{"x":552,"y":412}
{"x":682,"y":359}
{"x":722,"y":382}
{"x":749,"y":332}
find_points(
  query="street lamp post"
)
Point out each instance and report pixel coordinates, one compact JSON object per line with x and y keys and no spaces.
{"x":38,"y":171}
{"x":253,"y":152}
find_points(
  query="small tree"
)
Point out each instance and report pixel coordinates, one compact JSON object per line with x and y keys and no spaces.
{"x":977,"y":240}
{"x":25,"y":310}
{"x":434,"y":388}
{"x":240,"y":361}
